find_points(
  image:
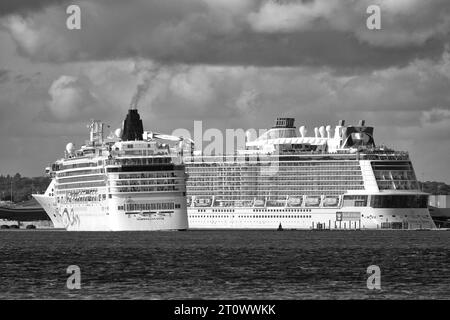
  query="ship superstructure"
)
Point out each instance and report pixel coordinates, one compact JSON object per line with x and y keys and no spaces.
{"x":128,"y":181}
{"x":285,"y":179}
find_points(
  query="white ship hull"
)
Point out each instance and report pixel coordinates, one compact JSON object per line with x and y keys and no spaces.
{"x":46,"y":203}
{"x":315,"y":218}
{"x":98,"y":216}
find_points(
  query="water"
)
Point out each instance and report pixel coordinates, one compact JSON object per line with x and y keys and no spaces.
{"x":225,"y":264}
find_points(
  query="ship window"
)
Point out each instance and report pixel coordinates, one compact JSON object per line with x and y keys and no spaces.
{"x":399,"y":201}
{"x":355,"y":200}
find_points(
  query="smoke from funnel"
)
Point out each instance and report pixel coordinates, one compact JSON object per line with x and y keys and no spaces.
{"x":148,"y":73}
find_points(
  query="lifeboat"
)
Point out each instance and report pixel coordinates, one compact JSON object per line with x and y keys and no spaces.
{"x":239,"y":204}
{"x":331,"y":201}
{"x":258,"y":203}
{"x":312,"y":201}
{"x":294,"y":202}
{"x":276,"y":203}
{"x":203,"y":202}
{"x":244,"y":204}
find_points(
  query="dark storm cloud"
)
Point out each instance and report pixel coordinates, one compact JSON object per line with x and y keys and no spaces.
{"x":329,"y":49}
{"x":328,"y":33}
{"x":24,"y":7}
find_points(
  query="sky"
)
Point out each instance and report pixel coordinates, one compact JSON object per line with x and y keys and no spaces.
{"x":229,"y":63}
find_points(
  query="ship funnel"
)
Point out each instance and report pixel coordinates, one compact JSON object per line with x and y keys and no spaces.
{"x":118,"y":133}
{"x":70,"y":147}
{"x":362,"y":123}
{"x":322,"y":131}
{"x":303,"y":131}
{"x":341,"y":123}
{"x":132,"y":126}
{"x":316,"y":132}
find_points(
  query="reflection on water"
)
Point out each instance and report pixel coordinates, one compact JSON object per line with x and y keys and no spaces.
{"x":225,"y":264}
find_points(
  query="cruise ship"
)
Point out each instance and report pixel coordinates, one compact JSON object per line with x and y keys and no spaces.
{"x":334,"y":180}
{"x":128,"y":181}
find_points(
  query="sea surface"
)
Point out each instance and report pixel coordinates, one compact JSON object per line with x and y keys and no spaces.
{"x":225,"y":264}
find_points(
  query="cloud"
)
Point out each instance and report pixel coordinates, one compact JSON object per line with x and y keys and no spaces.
{"x":404,"y":104}
{"x":71,"y":99}
{"x":247,"y":101}
{"x":22,"y":29}
{"x":290,"y":16}
{"x":404,"y":23}
{"x":436,"y":116}
{"x":24,"y":7}
{"x":193,"y":85}
{"x":248,"y":32}
{"x":409,"y":22}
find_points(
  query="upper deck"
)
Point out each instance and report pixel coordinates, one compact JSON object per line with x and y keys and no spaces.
{"x":284,"y":138}
{"x":281,"y":161}
{"x":129,"y":146}
{"x":150,"y":164}
{"x":242,"y":156}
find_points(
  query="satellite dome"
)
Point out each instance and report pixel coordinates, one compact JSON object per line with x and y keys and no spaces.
{"x":69,"y":147}
{"x":118,"y":132}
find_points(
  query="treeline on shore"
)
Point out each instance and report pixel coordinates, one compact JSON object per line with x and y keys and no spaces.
{"x":21,"y":188}
{"x":434,"y":187}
